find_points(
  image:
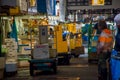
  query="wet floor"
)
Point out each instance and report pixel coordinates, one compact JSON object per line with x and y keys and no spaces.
{"x":79,"y":69}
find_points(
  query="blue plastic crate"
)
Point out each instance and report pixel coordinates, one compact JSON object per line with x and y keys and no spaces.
{"x":85,"y":38}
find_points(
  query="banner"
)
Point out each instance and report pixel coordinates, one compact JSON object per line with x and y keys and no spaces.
{"x":98,"y":2}
{"x":51,"y":7}
{"x":41,"y":6}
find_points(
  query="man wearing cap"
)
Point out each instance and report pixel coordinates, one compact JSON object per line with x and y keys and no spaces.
{"x":96,"y":31}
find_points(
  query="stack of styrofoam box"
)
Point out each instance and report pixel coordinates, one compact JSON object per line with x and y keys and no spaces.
{"x":11,"y":56}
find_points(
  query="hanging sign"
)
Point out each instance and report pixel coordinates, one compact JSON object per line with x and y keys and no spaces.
{"x":43,"y":34}
{"x":98,"y":2}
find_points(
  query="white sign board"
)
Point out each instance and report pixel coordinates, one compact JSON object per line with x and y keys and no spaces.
{"x":43,"y":34}
{"x":41,"y":51}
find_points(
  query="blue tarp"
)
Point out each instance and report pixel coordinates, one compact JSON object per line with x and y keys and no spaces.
{"x":41,"y":6}
{"x":46,"y":6}
{"x":115,"y":67}
{"x":51,"y":7}
{"x":13,"y":34}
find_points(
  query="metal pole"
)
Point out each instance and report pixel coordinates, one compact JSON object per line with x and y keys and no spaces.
{"x":0,"y":37}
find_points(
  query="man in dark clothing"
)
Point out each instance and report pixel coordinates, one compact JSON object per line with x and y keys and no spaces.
{"x":117,"y":37}
{"x":115,"y":63}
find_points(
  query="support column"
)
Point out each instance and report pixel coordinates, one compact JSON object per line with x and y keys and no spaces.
{"x":0,"y":37}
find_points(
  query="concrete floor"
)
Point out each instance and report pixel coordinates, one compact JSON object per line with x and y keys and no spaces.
{"x":79,"y":69}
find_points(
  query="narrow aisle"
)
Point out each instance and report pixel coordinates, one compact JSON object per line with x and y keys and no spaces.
{"x":79,"y":69}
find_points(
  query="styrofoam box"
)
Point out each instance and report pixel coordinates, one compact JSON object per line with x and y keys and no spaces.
{"x":11,"y":67}
{"x":9,"y":61}
{"x":9,"y":39}
{"x":3,"y":46}
{"x":23,"y":5}
{"x":41,"y":51}
{"x":11,"y":56}
{"x":12,"y":51}
{"x":8,"y":44}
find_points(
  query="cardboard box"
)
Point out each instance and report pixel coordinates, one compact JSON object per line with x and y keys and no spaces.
{"x":23,"y":63}
{"x":52,"y":53}
{"x":11,"y":67}
{"x":11,"y":3}
{"x":14,"y":10}
{"x":2,"y":62}
{"x":25,"y":50}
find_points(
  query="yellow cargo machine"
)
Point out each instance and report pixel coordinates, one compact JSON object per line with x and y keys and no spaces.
{"x":68,"y":42}
{"x":61,"y":46}
{"x":75,"y":40}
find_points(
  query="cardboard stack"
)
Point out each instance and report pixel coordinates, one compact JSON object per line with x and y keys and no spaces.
{"x":2,"y":66}
{"x":11,"y":56}
{"x":15,"y":6}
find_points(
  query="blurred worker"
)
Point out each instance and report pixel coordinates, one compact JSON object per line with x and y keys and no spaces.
{"x":104,"y":47}
{"x":96,"y":31}
{"x":117,"y":38}
{"x":115,"y":63}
